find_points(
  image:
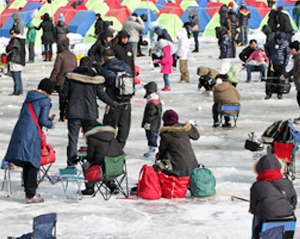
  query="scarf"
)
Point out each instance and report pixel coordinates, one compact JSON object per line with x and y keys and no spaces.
{"x":269,"y":175}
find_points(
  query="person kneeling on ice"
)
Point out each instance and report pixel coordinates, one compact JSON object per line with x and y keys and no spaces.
{"x":166,"y":63}
{"x":175,"y":144}
{"x":271,"y":196}
{"x":152,"y":117}
{"x":224,"y":94}
{"x":101,"y":142}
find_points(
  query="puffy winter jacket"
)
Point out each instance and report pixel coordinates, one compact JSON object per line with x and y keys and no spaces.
{"x":134,"y":25}
{"x":158,"y":47}
{"x":234,"y":69}
{"x":246,"y":52}
{"x":194,"y":19}
{"x":226,"y":47}
{"x":31,"y":33}
{"x":17,"y":48}
{"x":61,"y":30}
{"x":243,"y":15}
{"x":233,"y":22}
{"x":268,"y":31}
{"x":183,"y":50}
{"x":225,"y":93}
{"x":277,"y":49}
{"x":204,"y":72}
{"x":223,"y":15}
{"x":99,"y":26}
{"x":167,"y":61}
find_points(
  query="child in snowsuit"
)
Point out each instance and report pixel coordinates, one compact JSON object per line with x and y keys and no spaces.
{"x":152,"y":117}
{"x":166,"y":63}
{"x":267,"y":198}
{"x":31,"y":34}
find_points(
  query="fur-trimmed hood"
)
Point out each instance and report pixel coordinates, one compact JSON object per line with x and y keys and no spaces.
{"x":32,"y":96}
{"x":104,"y":133}
{"x":269,"y":161}
{"x":177,"y":128}
{"x":85,"y":78}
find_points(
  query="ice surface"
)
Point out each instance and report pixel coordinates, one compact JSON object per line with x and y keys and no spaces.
{"x":220,"y":150}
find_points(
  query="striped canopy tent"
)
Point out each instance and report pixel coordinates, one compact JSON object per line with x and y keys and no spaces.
{"x":142,"y":8}
{"x":68,"y":13}
{"x":188,"y":3}
{"x":171,"y":22}
{"x":161,"y":3}
{"x":18,"y":4}
{"x":261,"y":7}
{"x":131,"y":4}
{"x":6,"y":14}
{"x":82,"y":22}
{"x":120,"y":12}
{"x":31,"y":6}
{"x":265,"y":21}
{"x":153,"y":1}
{"x":203,"y":16}
{"x":212,"y":8}
{"x":112,"y":3}
{"x":171,"y":8}
{"x":210,"y":27}
{"x":72,"y":1}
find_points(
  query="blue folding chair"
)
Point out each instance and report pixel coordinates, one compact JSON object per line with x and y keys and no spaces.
{"x":230,"y":110}
{"x":70,"y":175}
{"x":273,"y":233}
{"x":44,"y":226}
{"x":289,"y":224}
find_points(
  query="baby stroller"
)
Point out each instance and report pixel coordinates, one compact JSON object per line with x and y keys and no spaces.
{"x":282,"y":140}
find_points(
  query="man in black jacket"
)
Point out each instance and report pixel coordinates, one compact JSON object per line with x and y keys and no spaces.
{"x":79,"y":99}
{"x":284,"y":24}
{"x":99,"y":25}
{"x":243,"y":15}
{"x":244,"y":55}
{"x":123,"y":50}
{"x":119,"y":117}
{"x":232,"y":23}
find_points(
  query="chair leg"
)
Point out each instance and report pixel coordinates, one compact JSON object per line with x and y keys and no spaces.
{"x":45,"y":174}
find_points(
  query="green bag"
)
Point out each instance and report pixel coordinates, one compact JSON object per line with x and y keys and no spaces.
{"x":202,"y":182}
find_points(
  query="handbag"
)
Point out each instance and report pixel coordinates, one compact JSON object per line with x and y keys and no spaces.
{"x":173,"y":187}
{"x":94,"y":173}
{"x":47,"y":151}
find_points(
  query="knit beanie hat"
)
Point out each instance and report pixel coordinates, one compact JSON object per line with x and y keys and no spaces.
{"x":294,"y":45}
{"x":260,"y":46}
{"x":98,"y":15}
{"x":61,"y":17}
{"x":170,"y":118}
{"x":46,"y":85}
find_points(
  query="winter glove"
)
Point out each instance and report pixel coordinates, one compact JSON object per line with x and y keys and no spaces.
{"x":147,"y":126}
{"x":115,"y":104}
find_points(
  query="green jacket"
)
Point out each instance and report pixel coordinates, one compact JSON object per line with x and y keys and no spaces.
{"x":31,"y":33}
{"x":231,"y":74}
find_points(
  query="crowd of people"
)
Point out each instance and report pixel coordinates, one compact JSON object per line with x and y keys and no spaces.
{"x":111,"y":61}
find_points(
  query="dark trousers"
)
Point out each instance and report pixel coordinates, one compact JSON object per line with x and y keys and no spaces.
{"x":48,"y":49}
{"x":119,"y":118}
{"x":289,"y":36}
{"x":31,"y":51}
{"x":233,"y":47}
{"x":195,"y":35}
{"x":273,"y":78}
{"x":73,"y":132}
{"x":215,"y":113}
{"x":151,"y":137}
{"x":155,"y":57}
{"x":30,"y":179}
{"x":18,"y":85}
{"x":298,"y":97}
{"x":174,"y":60}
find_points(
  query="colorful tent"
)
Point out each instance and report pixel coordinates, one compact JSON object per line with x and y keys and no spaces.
{"x":121,"y":13}
{"x":171,"y":8}
{"x":212,"y":8}
{"x":188,"y":3}
{"x":210,"y":27}
{"x":171,"y":22}
{"x":131,"y":4}
{"x":142,"y":8}
{"x":97,"y":7}
{"x":18,"y":4}
{"x":6,"y":14}
{"x":81,"y":22}
{"x":203,"y":16}
{"x":31,"y":6}
{"x":68,"y":13}
{"x":265,"y":20}
{"x":255,"y":17}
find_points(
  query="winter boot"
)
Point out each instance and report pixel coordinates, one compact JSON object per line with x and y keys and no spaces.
{"x":50,"y":57}
{"x":139,"y":53}
{"x":88,"y":191}
{"x":46,"y":58}
{"x":196,"y":50}
{"x":151,"y":153}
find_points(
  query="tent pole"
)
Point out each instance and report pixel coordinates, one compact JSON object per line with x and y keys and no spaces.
{"x":149,"y":17}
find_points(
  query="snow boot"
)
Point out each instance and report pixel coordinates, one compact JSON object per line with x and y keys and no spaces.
{"x":88,"y":191}
{"x":151,"y":153}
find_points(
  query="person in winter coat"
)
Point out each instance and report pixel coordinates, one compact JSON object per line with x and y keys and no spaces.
{"x":133,"y":26}
{"x":272,"y":20}
{"x":157,"y":52}
{"x":294,"y":48}
{"x":101,"y":142}
{"x":207,"y":79}
{"x":61,"y":29}
{"x":16,"y":54}
{"x":152,"y":117}
{"x":232,"y":24}
{"x":268,"y":32}
{"x":18,"y":23}
{"x":223,"y":15}
{"x":246,"y":52}
{"x":175,"y":144}
{"x":99,"y":25}
{"x":24,"y":149}
{"x":266,"y":194}
{"x":243,"y":15}
{"x":284,"y":24}
{"x":224,"y":94}
{"x":123,"y":50}
{"x":225,"y":44}
{"x":103,"y":42}
{"x":234,"y":69}
{"x":48,"y":36}
{"x":31,"y":35}
{"x":79,"y":99}
{"x":166,"y":63}
{"x":163,"y":34}
{"x":119,"y":116}
{"x":195,"y":24}
{"x":296,"y":13}
{"x":257,"y":61}
{"x":184,"y":54}
{"x":152,"y":29}
{"x":65,"y":62}
{"x":277,"y":50}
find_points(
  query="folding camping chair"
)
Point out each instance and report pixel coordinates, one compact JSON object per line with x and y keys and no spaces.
{"x":45,"y":169}
{"x":8,"y":168}
{"x":115,"y":170}
{"x":44,"y":226}
{"x":289,"y":224}
{"x":230,"y":110}
{"x":70,"y":175}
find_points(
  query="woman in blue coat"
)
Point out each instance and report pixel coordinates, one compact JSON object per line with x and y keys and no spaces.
{"x":24,"y":149}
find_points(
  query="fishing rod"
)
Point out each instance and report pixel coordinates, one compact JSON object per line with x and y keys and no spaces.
{"x":233,"y":197}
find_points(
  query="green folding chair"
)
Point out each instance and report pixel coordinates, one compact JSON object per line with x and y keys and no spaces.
{"x":70,"y":175}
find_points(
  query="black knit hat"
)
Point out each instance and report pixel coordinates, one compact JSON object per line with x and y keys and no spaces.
{"x":46,"y":85}
{"x":294,"y":45}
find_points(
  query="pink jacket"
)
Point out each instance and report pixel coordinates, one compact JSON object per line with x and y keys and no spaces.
{"x":257,"y":56}
{"x":167,"y":61}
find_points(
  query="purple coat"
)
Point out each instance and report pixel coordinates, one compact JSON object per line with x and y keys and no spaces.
{"x":167,"y":61}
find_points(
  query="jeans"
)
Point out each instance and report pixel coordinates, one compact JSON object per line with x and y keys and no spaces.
{"x":166,"y":79}
{"x":18,"y":86}
{"x":73,"y":132}
{"x":134,"y":48}
{"x":261,"y":68}
{"x":30,"y":179}
{"x":152,"y":138}
{"x":195,"y":35}
{"x":244,"y":34}
{"x":31,"y":51}
{"x":215,"y":113}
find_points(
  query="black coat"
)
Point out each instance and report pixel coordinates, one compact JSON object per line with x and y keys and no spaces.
{"x":152,"y":115}
{"x":243,"y":15}
{"x":61,"y":30}
{"x":284,"y":23}
{"x":17,"y":48}
{"x":48,"y":30}
{"x":79,"y":94}
{"x":268,"y":31}
{"x":223,"y":15}
{"x":99,"y":26}
{"x":98,"y":139}
{"x":272,"y":20}
{"x":176,"y":146}
{"x":233,"y":22}
{"x":244,"y":55}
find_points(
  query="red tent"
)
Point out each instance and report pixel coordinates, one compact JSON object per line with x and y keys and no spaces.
{"x":112,"y":2}
{"x":121,"y":13}
{"x":71,"y":1}
{"x":171,"y":8}
{"x":68,"y":12}
{"x":6,"y":14}
{"x":261,"y":7}
{"x":154,"y":1}
{"x":212,"y":8}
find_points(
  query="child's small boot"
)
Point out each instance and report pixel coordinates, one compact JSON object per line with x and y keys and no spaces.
{"x":151,"y":153}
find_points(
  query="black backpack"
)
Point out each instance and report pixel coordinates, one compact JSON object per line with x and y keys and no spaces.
{"x":279,"y":131}
{"x":124,"y":85}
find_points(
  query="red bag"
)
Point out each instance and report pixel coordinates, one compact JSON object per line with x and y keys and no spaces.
{"x":94,"y":173}
{"x":48,"y":155}
{"x":173,"y":187}
{"x":148,"y":185}
{"x":283,"y":151}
